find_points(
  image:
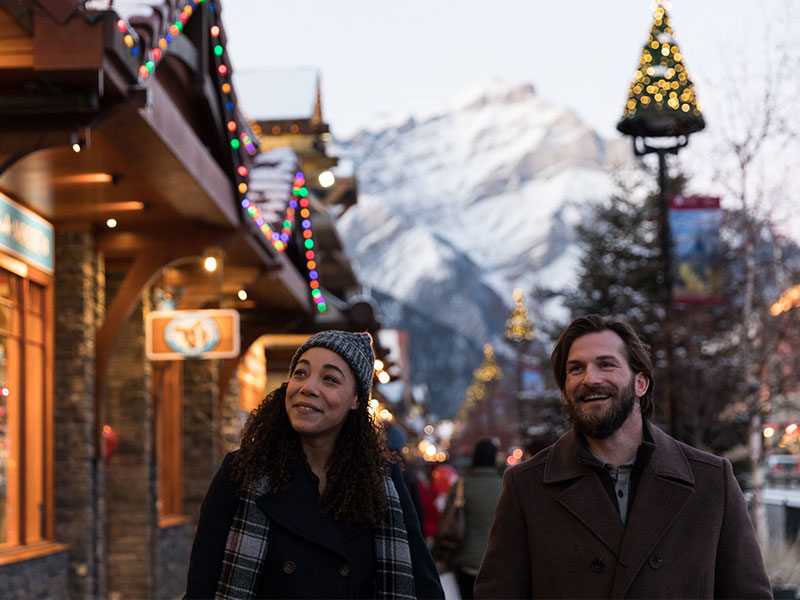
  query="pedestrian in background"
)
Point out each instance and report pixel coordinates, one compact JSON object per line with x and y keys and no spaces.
{"x":312,"y":505}
{"x":482,"y":487}
{"x":616,"y":508}
{"x":396,"y":440}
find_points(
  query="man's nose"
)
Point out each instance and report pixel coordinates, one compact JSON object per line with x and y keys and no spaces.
{"x":591,"y":375}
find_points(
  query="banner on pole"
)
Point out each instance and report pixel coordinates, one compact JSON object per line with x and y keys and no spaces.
{"x":697,"y":249}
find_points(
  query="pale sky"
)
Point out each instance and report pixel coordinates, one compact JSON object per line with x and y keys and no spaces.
{"x":387,"y":57}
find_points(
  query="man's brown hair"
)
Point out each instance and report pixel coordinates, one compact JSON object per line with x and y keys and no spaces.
{"x":638,"y":353}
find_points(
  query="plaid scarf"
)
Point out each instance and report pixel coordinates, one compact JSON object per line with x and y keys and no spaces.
{"x":247,"y":544}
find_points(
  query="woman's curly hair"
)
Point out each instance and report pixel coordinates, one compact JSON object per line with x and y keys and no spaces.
{"x":354,"y":490}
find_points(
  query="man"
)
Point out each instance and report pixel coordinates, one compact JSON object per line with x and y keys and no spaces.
{"x":616,"y":508}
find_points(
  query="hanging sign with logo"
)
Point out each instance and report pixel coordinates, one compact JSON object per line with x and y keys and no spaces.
{"x":184,"y":334}
{"x":697,"y":272}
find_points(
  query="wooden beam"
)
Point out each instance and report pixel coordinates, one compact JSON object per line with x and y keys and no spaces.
{"x":145,"y":268}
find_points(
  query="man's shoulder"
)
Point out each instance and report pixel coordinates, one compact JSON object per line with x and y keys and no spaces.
{"x":532,"y":467}
{"x":693,"y":455}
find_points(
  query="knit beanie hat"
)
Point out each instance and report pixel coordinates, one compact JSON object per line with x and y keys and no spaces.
{"x":354,"y":348}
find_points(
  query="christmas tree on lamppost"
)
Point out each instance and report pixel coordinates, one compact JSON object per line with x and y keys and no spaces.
{"x":661,"y":99}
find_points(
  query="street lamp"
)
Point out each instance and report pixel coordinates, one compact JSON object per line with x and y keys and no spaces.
{"x":662,"y":105}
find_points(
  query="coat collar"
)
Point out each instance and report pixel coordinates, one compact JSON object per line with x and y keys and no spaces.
{"x":667,"y":461}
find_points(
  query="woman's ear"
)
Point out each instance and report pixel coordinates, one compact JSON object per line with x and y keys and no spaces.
{"x":354,"y":405}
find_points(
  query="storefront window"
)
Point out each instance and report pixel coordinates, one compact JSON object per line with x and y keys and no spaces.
{"x":4,"y":444}
{"x":24,"y":411}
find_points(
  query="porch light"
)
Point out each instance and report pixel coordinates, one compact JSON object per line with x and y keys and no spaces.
{"x":210,"y":264}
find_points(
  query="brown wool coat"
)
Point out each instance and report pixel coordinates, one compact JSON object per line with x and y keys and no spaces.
{"x":556,"y":533}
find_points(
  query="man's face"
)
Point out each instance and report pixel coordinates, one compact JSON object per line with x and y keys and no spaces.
{"x":600,"y":388}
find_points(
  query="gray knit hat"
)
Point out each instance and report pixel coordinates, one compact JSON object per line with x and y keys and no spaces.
{"x":354,"y":348}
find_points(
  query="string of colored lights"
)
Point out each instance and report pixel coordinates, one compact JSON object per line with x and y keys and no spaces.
{"x":238,"y":139}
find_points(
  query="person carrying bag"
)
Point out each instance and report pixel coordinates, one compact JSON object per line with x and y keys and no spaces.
{"x":452,"y":527}
{"x":463,"y":537}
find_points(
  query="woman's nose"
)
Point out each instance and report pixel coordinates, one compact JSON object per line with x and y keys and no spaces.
{"x":310,"y":386}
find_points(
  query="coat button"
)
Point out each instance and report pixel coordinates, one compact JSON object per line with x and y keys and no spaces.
{"x":288,"y":567}
{"x":598,"y":566}
{"x":344,"y":570}
{"x":655,"y":561}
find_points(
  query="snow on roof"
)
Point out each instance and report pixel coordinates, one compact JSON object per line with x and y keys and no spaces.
{"x":271,"y":179}
{"x":126,"y":8}
{"x":277,"y":94}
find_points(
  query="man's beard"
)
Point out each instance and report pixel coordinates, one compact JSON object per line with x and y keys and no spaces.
{"x":600,"y":425}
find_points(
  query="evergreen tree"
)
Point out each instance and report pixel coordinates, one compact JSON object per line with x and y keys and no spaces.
{"x":621,"y":274}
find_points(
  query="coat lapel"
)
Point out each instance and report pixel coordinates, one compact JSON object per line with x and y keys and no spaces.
{"x":585,"y":499}
{"x":296,"y":508}
{"x":665,"y":486}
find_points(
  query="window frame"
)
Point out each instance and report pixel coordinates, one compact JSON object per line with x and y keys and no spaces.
{"x":33,"y":512}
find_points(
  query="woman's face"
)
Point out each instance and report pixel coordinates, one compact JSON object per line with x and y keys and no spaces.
{"x":320,"y":394}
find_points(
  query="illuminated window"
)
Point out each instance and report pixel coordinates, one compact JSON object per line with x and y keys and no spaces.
{"x":25,"y":413}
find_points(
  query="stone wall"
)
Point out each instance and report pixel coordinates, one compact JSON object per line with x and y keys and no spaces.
{"x":131,"y":484}
{"x":202,"y":447}
{"x":79,"y":307}
{"x":233,"y":416}
{"x":175,"y":546}
{"x":43,"y":577}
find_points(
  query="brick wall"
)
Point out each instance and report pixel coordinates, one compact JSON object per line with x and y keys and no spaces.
{"x":79,"y":307}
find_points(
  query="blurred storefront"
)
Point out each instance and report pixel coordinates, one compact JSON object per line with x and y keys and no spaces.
{"x":136,"y":273}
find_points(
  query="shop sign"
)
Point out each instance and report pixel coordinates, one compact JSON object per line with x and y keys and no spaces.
{"x":184,"y":334}
{"x":26,"y":235}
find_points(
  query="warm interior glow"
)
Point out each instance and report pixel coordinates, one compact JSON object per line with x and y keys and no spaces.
{"x":326,"y":179}
{"x":210,"y":264}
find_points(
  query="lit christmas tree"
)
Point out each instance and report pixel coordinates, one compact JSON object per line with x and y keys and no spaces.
{"x":518,"y":326}
{"x":489,"y":369}
{"x":661,"y":100}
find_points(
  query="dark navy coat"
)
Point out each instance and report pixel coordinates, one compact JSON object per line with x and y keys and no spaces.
{"x":310,"y":555}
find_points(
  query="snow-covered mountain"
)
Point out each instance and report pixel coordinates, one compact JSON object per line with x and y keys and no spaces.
{"x":458,"y":208}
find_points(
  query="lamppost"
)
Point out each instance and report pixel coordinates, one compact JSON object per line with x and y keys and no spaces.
{"x":519,"y":332}
{"x":660,"y":114}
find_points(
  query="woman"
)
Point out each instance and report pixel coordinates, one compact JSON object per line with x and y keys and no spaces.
{"x":311,"y":505}
{"x":482,"y":486}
